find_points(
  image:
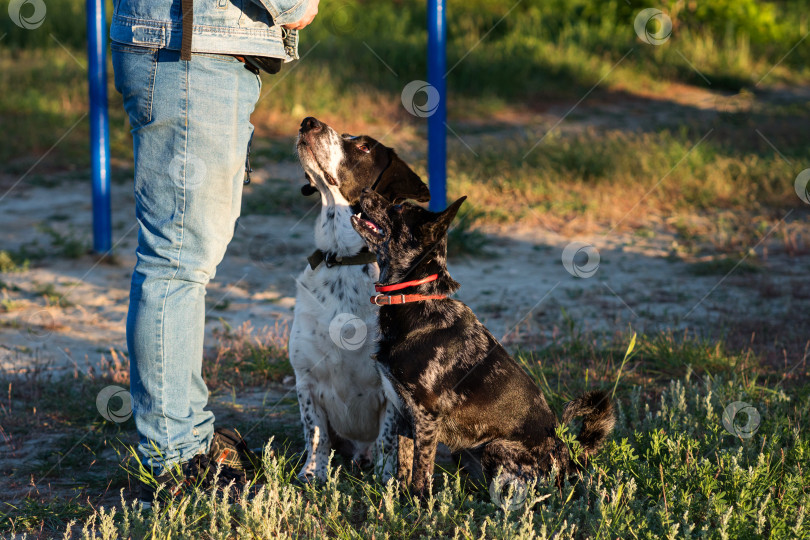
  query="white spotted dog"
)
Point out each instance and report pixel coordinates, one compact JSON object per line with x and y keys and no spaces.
{"x":343,"y":406}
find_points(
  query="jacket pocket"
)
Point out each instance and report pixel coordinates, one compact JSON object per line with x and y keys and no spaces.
{"x":135,"y":69}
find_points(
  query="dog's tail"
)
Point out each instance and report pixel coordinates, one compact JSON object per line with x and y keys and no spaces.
{"x":598,"y":419}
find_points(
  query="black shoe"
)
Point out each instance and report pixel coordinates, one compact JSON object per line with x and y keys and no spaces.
{"x":228,"y":448}
{"x":164,"y":488}
{"x":211,"y":476}
{"x":199,"y":472}
{"x":229,"y":460}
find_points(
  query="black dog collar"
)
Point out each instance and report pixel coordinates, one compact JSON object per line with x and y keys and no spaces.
{"x":331,"y":259}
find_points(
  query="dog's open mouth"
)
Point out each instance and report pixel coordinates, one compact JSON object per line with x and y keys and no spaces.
{"x":361,"y":222}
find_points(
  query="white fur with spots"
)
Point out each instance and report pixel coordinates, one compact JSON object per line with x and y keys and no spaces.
{"x":338,"y":387}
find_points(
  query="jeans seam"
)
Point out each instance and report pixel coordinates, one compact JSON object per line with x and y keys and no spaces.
{"x":293,"y":8}
{"x":153,"y":78}
{"x":177,"y":266}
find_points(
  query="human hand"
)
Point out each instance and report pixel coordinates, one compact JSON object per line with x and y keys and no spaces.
{"x":309,"y":16}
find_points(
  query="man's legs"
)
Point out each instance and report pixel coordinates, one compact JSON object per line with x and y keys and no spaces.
{"x":191,"y":127}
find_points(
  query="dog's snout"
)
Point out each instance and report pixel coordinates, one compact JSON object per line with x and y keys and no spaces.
{"x":311,"y":123}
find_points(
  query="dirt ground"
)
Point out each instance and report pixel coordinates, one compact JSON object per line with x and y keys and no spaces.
{"x":520,"y":289}
{"x":64,"y":314}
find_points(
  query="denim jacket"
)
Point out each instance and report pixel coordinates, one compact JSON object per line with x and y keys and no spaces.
{"x":247,"y":27}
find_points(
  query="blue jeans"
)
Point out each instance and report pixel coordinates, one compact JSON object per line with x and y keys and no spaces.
{"x":191,"y":128}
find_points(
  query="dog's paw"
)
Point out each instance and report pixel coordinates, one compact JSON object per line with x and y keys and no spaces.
{"x":310,"y":477}
{"x":307,"y":479}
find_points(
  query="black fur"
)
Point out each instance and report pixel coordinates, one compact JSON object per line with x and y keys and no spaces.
{"x":457,"y":383}
{"x":380,"y":168}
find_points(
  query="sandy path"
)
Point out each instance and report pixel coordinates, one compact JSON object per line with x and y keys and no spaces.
{"x":521,"y":292}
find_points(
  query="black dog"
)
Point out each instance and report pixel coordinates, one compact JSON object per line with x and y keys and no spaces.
{"x":449,"y":374}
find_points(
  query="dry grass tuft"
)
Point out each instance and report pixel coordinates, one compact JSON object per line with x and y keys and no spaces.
{"x":248,"y":357}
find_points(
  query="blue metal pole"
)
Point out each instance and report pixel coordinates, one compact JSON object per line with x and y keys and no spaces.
{"x":99,"y":124}
{"x":437,"y":127}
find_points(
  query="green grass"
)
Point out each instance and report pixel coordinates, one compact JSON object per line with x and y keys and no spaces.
{"x":607,"y":178}
{"x":247,"y":357}
{"x":531,"y":44}
{"x":69,"y":245}
{"x":8,"y":305}
{"x":539,"y":53}
{"x":52,"y":296}
{"x":32,"y":514}
{"x":539,"y":49}
{"x":465,"y":239}
{"x":574,"y":362}
{"x":723,"y":266}
{"x":13,"y":262}
{"x":671,"y":468}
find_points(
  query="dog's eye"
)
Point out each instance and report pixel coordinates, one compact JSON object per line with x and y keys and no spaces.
{"x":364,"y":148}
{"x":397,"y":208}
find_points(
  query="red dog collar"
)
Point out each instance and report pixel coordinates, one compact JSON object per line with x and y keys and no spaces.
{"x":389,"y":300}
{"x":405,"y":284}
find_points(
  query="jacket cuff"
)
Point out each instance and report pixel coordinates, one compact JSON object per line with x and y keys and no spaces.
{"x":285,"y":11}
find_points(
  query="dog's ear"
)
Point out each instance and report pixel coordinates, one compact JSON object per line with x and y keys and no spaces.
{"x":398,"y":182}
{"x":434,"y":230}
